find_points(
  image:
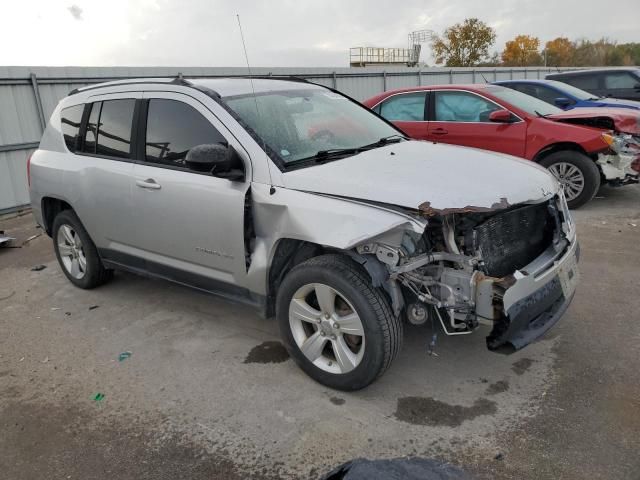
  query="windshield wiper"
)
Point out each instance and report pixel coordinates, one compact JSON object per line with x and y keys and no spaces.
{"x":395,"y":138}
{"x":540,"y":114}
{"x":335,"y":153}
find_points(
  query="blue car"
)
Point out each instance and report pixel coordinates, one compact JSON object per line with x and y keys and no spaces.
{"x":565,"y":96}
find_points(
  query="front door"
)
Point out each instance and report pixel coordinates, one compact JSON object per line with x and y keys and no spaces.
{"x":460,"y":117}
{"x":190,"y":224}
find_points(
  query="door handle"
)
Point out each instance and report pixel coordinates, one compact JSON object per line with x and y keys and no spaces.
{"x":439,"y":131}
{"x":149,"y":183}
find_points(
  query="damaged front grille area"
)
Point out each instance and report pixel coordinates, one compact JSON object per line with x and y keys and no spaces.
{"x":512,"y":239}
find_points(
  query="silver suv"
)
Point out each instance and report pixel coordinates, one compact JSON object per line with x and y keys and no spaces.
{"x":295,"y":199}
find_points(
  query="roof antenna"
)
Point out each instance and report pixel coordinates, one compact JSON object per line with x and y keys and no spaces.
{"x":483,"y":77}
{"x":272,"y":190}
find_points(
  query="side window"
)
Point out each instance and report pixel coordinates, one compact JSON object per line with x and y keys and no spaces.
{"x":585,"y":82}
{"x":91,"y":133}
{"x":406,"y":107}
{"x":527,"y":89}
{"x":114,"y":128}
{"x":457,"y":106}
{"x":173,"y":128}
{"x":71,"y":117}
{"x":620,"y":80}
{"x":547,"y":94}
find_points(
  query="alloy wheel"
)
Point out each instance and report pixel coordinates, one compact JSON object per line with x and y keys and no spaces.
{"x":326,"y":328}
{"x":570,"y":177}
{"x":71,"y":251}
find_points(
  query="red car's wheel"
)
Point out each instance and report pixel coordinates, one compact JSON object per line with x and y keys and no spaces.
{"x":577,"y":173}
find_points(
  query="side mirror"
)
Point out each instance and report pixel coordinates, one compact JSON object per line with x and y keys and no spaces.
{"x":500,"y":116}
{"x":217,"y":159}
{"x":563,"y":102}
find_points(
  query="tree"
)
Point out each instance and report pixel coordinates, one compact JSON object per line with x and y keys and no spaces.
{"x":522,"y":51}
{"x":595,"y":54}
{"x":631,"y":53}
{"x":464,"y":44}
{"x":560,"y":52}
{"x":493,"y":61}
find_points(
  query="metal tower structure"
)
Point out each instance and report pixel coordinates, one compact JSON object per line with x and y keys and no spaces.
{"x":416,"y":39}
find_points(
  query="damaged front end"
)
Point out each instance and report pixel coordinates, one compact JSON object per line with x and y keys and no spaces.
{"x":511,"y":267}
{"x":620,"y":165}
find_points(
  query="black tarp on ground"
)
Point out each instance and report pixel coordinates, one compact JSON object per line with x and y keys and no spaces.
{"x":396,"y":469}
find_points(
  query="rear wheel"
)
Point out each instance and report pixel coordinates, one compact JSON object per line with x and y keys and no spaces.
{"x":338,"y":327}
{"x":577,"y":173}
{"x":77,"y":253}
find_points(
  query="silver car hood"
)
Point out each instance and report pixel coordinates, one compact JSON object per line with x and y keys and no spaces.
{"x":434,"y":178}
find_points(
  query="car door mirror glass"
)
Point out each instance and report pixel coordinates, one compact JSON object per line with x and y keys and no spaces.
{"x":562,"y":102}
{"x":500,"y":116}
{"x":217,"y":159}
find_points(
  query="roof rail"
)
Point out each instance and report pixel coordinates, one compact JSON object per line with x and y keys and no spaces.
{"x":180,"y":80}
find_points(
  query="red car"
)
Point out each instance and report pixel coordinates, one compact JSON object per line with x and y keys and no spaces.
{"x":582,"y":148}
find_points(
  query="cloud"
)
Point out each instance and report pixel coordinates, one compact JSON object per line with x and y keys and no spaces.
{"x":75,"y":11}
{"x":278,"y":33}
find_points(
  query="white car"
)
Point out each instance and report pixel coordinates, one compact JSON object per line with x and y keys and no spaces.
{"x":301,"y":202}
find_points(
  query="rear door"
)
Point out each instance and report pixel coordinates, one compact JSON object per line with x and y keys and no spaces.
{"x":106,"y":166}
{"x":622,"y":84}
{"x":461,"y":117}
{"x":407,"y":111}
{"x":190,"y":223}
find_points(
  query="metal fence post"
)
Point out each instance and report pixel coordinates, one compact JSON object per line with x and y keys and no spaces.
{"x":36,"y":94}
{"x":335,"y":80}
{"x":384,"y":80}
{"x":473,"y":75}
{"x":450,"y":76}
{"x":419,"y":78}
{"x":495,"y":74}
{"x":511,"y":73}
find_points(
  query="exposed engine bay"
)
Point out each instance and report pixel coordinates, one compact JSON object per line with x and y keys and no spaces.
{"x":458,"y":270}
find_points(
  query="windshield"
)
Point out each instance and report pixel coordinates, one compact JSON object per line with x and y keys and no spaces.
{"x":571,"y":90}
{"x":297,"y":124}
{"x":523,"y":101}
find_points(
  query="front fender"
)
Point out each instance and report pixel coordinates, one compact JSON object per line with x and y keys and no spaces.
{"x":331,"y":222}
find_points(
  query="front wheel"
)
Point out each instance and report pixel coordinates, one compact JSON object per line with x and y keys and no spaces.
{"x":577,"y":173}
{"x":338,"y":327}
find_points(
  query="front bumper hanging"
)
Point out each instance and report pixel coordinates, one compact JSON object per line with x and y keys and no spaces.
{"x":535,"y":302}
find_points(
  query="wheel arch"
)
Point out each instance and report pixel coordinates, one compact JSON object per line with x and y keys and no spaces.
{"x":51,"y":207}
{"x":289,"y":252}
{"x":559,"y":147}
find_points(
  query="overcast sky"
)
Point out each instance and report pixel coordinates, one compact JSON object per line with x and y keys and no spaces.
{"x":285,"y":33}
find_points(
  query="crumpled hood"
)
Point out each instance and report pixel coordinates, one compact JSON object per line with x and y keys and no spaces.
{"x":620,"y":119}
{"x":435,"y":178}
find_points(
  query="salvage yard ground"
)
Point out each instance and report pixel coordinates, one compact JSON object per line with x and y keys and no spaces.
{"x":208,"y":392}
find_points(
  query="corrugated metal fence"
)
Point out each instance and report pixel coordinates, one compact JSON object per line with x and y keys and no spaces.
{"x":28,"y":95}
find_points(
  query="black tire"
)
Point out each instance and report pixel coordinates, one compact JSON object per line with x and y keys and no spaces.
{"x":95,"y":273}
{"x":587,"y":167}
{"x":382,"y":329}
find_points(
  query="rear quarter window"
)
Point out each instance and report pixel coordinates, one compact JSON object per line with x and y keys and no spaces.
{"x":70,"y":119}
